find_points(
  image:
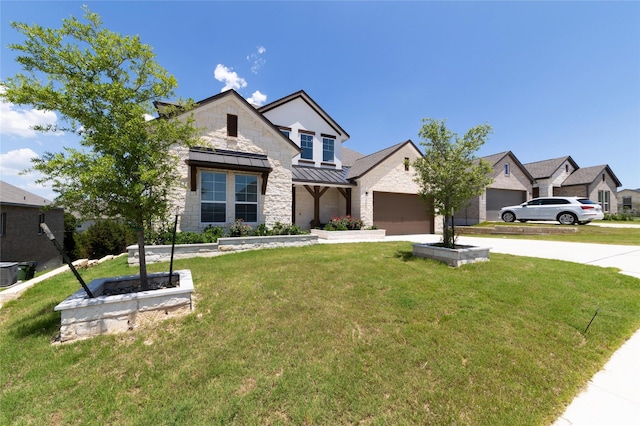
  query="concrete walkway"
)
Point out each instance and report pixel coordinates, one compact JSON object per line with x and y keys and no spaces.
{"x":612,"y":396}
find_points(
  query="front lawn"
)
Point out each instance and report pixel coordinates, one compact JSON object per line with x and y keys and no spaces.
{"x":327,"y":334}
{"x":584,"y":234}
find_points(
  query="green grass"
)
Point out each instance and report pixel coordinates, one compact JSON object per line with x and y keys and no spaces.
{"x":327,"y":334}
{"x":584,"y":234}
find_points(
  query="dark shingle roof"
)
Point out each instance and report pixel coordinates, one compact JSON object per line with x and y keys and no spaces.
{"x":10,"y":194}
{"x":545,"y":168}
{"x":364,"y":164}
{"x":587,"y":175}
{"x":496,"y":158}
{"x":349,"y":157}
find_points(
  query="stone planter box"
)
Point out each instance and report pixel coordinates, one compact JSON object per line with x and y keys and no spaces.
{"x":162,"y":253}
{"x":452,"y":257}
{"x":370,"y":234}
{"x":83,"y":317}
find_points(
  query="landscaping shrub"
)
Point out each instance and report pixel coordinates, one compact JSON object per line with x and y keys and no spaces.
{"x":103,"y":238}
{"x":345,"y":223}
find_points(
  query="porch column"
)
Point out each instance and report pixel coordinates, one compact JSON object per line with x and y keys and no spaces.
{"x":316,"y":193}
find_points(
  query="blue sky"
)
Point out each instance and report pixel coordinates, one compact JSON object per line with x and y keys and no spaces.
{"x":552,"y":78}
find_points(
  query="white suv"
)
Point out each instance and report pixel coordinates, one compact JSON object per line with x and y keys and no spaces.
{"x":566,"y":210}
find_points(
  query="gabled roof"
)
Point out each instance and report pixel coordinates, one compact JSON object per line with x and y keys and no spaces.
{"x":546,"y":168}
{"x":301,"y":94}
{"x":231,"y":93}
{"x":350,"y":156}
{"x":588,"y":175}
{"x":365,"y":164}
{"x":13,"y":195}
{"x":497,"y":158}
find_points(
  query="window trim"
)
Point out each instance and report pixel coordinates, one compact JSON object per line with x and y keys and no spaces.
{"x":303,"y":148}
{"x":226,"y":192}
{"x":246,"y":203}
{"x":326,"y":139}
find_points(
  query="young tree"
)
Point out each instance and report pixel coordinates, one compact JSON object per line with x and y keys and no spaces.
{"x":449,"y":174}
{"x":103,"y":86}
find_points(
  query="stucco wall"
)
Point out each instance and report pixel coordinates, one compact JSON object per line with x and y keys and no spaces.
{"x":298,"y":115}
{"x":254,"y":136}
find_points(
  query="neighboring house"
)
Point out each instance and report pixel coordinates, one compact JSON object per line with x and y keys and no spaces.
{"x":629,"y":200}
{"x":563,"y":177}
{"x":21,"y":239}
{"x":550,"y":174}
{"x":512,"y":184}
{"x":284,"y":162}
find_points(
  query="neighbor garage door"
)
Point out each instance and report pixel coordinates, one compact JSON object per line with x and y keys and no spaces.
{"x":401,"y":214}
{"x":499,"y":198}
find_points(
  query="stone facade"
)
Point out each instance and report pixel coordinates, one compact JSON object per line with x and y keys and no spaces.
{"x":388,"y":176}
{"x":254,"y":136}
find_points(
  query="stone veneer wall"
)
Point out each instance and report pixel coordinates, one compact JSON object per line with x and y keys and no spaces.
{"x":254,"y":136}
{"x":162,"y":253}
{"x":389,"y":176}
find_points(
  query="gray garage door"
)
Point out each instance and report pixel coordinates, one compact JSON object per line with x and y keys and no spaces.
{"x":498,"y":198}
{"x":401,"y":214}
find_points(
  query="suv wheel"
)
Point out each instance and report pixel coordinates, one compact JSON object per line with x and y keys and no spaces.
{"x":567,"y":218}
{"x":508,"y":217}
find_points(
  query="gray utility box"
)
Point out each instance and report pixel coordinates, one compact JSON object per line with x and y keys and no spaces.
{"x":8,"y":273}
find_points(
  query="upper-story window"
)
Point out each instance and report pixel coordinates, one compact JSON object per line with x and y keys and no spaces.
{"x":506,"y":169}
{"x":306,"y":144}
{"x":328,"y":149}
{"x":285,"y":131}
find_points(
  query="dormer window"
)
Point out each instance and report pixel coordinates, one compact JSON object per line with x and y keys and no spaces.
{"x":328,"y":144}
{"x":306,"y":145}
{"x":285,"y":131}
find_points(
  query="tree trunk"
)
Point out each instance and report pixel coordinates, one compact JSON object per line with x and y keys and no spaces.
{"x":144,"y":281}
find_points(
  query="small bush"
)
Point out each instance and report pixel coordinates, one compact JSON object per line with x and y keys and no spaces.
{"x":345,"y":223}
{"x":240,"y":229}
{"x":623,"y":217}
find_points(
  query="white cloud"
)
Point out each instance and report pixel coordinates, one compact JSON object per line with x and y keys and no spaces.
{"x":148,"y":117}
{"x":230,"y":78}
{"x":257,"y":98}
{"x":13,"y":162}
{"x":17,"y":121}
{"x":256,"y":59}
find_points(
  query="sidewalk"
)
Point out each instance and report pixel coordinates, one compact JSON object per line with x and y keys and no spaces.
{"x":612,"y":396}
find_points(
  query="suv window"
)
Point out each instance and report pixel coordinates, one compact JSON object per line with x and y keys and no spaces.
{"x":554,"y":201}
{"x":586,"y":201}
{"x":534,"y":203}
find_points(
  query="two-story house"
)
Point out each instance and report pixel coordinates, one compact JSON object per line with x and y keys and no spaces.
{"x":285,"y":162}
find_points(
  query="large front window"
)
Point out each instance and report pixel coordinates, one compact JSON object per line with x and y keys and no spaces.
{"x":246,"y":203}
{"x":327,"y":149}
{"x":306,"y":144}
{"x":213,"y":197}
